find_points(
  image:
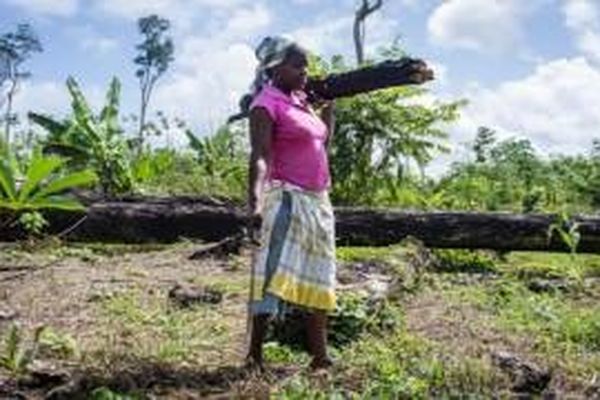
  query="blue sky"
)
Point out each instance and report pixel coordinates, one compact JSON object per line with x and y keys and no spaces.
{"x":527,"y":67}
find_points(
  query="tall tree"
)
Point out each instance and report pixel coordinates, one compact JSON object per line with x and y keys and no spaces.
{"x":484,"y":141}
{"x":380,"y":134}
{"x":155,"y":54}
{"x":15,"y":49}
{"x":362,"y":13}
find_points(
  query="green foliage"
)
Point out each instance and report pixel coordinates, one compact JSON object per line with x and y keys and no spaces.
{"x":509,"y":176}
{"x":547,"y":317}
{"x":92,"y":141}
{"x":155,"y":54}
{"x":148,"y":167}
{"x":350,"y":254}
{"x":568,"y":232}
{"x":104,"y":393}
{"x":223,"y":160}
{"x":33,"y":222}
{"x":400,"y":365}
{"x":40,"y":186}
{"x":277,"y":353}
{"x":58,"y":345}
{"x":464,"y":261}
{"x":156,"y":331}
{"x":378,"y":137}
{"x":355,"y":315}
{"x":17,"y":355}
{"x":526,"y":265}
{"x":15,"y":49}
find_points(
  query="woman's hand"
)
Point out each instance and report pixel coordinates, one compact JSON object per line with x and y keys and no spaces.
{"x":328,"y":117}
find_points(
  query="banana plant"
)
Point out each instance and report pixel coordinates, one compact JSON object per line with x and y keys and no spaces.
{"x":91,"y":141}
{"x":40,"y":186}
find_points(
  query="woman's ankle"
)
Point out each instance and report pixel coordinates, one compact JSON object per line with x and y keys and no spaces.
{"x":254,"y":362}
{"x":321,"y":362}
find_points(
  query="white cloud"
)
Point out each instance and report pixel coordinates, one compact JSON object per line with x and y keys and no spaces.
{"x":99,"y":45}
{"x":328,"y":36}
{"x":492,"y":26}
{"x":325,"y":36}
{"x":476,"y":24}
{"x":52,"y":97}
{"x":582,"y":17}
{"x":246,"y":21}
{"x":91,"y":40}
{"x":212,"y":72}
{"x":44,"y":97}
{"x":49,"y":7}
{"x":557,"y":107}
{"x":181,"y":12}
{"x":207,"y":87}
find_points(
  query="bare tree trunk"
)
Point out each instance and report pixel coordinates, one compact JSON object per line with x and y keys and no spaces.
{"x":142,"y":122}
{"x":147,"y":87}
{"x":362,"y":14}
{"x":8,"y":115}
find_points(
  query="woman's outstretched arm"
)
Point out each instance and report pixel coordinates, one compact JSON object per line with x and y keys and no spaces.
{"x":261,"y":133}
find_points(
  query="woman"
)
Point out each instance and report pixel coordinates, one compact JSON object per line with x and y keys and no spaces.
{"x":288,"y":196}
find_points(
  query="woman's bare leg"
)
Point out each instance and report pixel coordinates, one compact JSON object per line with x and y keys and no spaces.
{"x":259,"y":330}
{"x":316,"y":326}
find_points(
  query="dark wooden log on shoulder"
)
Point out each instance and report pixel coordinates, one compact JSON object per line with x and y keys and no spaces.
{"x":406,"y":71}
{"x":390,"y":73}
{"x":167,"y":220}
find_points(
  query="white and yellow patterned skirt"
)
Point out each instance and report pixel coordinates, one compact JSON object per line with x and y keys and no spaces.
{"x":295,"y":263}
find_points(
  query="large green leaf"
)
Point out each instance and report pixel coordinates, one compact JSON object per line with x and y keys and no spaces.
{"x":59,"y":185}
{"x":67,"y":150}
{"x":56,"y":203}
{"x":81,"y":110}
{"x":9,"y":205}
{"x":40,"y":168}
{"x":109,"y":117}
{"x":7,"y":180}
{"x":56,"y":129}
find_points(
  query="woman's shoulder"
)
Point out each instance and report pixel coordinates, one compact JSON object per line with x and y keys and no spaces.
{"x":265,"y":99}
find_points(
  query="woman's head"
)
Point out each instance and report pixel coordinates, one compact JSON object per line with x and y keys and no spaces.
{"x":283,"y":62}
{"x":291,"y":74}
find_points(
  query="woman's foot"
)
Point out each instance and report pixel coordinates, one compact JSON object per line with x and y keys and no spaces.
{"x":254,"y":365}
{"x":322,"y":363}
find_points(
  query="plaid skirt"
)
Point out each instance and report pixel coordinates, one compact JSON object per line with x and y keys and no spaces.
{"x":295,"y":262}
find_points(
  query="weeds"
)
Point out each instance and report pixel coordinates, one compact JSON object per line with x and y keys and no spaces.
{"x":18,"y":355}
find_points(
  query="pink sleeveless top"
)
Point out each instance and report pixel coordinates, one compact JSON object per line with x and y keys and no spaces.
{"x":299,"y":155}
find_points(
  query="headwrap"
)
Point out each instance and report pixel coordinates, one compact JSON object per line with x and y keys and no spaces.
{"x":271,"y":52}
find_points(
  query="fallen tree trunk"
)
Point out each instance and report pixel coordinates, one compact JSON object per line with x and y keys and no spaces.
{"x":170,"y":219}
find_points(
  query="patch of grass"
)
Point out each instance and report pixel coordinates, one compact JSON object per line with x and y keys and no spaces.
{"x":549,"y":316}
{"x":57,"y":344}
{"x":405,"y":366}
{"x":353,"y":254}
{"x":17,"y":352}
{"x":472,"y":261}
{"x":228,"y":284}
{"x":526,"y":265}
{"x":302,"y":387}
{"x":149,"y":327}
{"x":281,"y":354}
{"x":563,"y":332}
{"x":395,"y":365}
{"x":104,"y":393}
